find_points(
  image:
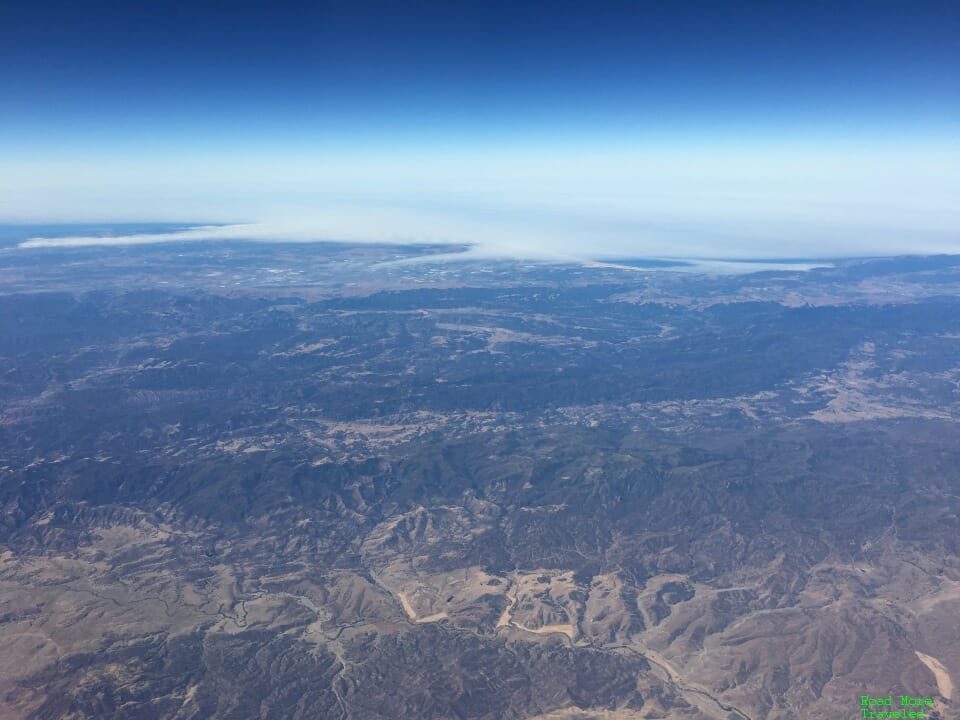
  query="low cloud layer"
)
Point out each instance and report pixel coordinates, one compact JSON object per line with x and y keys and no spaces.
{"x":728,"y":201}
{"x":558,"y":237}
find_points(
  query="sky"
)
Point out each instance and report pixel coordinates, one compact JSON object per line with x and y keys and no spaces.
{"x":535,"y":129}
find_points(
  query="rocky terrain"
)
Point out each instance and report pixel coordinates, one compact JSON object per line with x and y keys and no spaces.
{"x":334,"y":481}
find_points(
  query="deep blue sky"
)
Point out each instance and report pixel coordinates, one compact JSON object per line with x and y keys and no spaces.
{"x":76,"y":70}
{"x":761,"y":122}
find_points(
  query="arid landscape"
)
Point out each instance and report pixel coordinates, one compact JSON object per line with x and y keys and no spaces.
{"x":365,"y":481}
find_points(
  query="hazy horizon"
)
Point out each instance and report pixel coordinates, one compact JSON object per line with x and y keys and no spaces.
{"x":532,"y":131}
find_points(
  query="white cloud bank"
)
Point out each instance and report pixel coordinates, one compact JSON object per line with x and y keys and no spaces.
{"x":192,"y":234}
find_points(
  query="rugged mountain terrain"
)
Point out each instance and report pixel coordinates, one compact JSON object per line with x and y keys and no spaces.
{"x":350,"y":482}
